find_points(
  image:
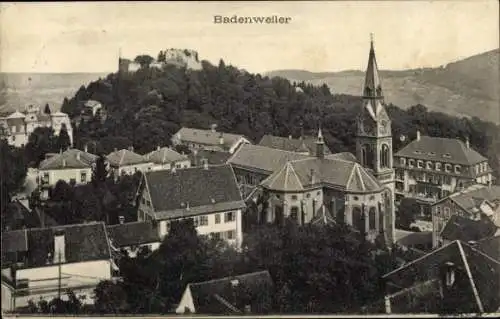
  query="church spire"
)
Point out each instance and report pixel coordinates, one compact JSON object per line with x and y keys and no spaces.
{"x":373,"y":87}
{"x":320,"y":145}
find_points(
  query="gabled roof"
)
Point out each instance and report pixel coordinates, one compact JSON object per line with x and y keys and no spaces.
{"x":441,"y":149}
{"x":208,"y":137}
{"x":92,"y":103}
{"x":490,"y":246}
{"x":165,"y":155}
{"x":72,"y":158}
{"x":466,"y":229}
{"x":58,"y":114}
{"x":299,"y":145}
{"x":125,"y":157}
{"x":261,"y":158}
{"x":471,"y":198}
{"x":83,"y":242}
{"x":217,"y":296}
{"x":193,"y":191}
{"x":16,"y":115}
{"x":310,"y":172}
{"x":132,"y":234}
{"x":478,"y":267}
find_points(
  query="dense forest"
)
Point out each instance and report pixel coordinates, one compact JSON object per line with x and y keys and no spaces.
{"x":144,"y":109}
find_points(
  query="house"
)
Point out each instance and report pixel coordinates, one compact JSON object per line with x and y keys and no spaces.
{"x":165,"y":158}
{"x":455,"y":278}
{"x":72,"y":166}
{"x":305,"y":145}
{"x":92,"y":107}
{"x":209,"y":139}
{"x":208,"y":194}
{"x":431,"y":168}
{"x":20,"y":125}
{"x":474,"y":202}
{"x":247,"y":293}
{"x":126,"y":162}
{"x":133,"y":236}
{"x":38,"y":262}
{"x":466,"y":230}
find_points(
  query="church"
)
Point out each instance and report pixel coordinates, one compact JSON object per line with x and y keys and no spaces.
{"x":329,"y":188}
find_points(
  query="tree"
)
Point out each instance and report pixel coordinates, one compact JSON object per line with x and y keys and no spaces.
{"x":13,"y":171}
{"x":408,"y":210}
{"x":144,"y":60}
{"x":40,"y":142}
{"x":100,"y":171}
{"x":63,"y":140}
{"x":111,"y":298}
{"x":47,"y":109}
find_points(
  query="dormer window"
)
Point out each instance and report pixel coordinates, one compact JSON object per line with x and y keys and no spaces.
{"x":402,"y":161}
{"x":438,"y":166}
{"x":432,"y":154}
{"x":420,"y":164}
{"x":447,"y":155}
{"x":428,"y":165}
{"x":447,"y":168}
{"x":457,"y":169}
{"x":417,"y":152}
{"x":411,"y":162}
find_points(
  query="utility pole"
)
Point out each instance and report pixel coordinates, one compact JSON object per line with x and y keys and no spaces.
{"x":59,"y":277}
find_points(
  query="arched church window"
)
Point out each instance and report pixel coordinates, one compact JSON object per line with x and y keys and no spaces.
{"x":367,"y":155}
{"x":384,"y":156}
{"x":368,"y":91}
{"x":358,"y":220}
{"x":372,"y":214}
{"x":379,"y":90}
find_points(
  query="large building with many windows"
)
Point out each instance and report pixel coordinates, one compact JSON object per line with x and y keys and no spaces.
{"x":431,"y":168}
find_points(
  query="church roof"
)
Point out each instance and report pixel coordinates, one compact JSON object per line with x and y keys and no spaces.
{"x":373,"y":86}
{"x":307,"y":144}
{"x":165,"y":155}
{"x":125,"y":157}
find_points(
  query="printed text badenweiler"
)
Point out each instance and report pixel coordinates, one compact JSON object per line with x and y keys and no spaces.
{"x":273,"y":19}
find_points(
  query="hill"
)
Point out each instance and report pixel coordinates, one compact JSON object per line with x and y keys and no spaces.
{"x":18,"y":90}
{"x":467,"y":87}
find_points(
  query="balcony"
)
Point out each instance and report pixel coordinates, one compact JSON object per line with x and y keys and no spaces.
{"x":427,"y":198}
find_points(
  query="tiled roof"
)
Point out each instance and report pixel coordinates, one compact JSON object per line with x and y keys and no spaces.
{"x":17,"y":216}
{"x":131,"y":234}
{"x":83,"y":242}
{"x":466,"y":229}
{"x":471,"y":197}
{"x":346,"y":156}
{"x":441,"y":149}
{"x":299,"y":145}
{"x":263,"y":158}
{"x":125,"y":157}
{"x":213,"y":157}
{"x":473,"y":263}
{"x":165,"y":155}
{"x":16,"y":115}
{"x":211,"y":297}
{"x":191,"y":191}
{"x":490,"y":246}
{"x":207,"y":137}
{"x":300,"y":174}
{"x":72,"y":158}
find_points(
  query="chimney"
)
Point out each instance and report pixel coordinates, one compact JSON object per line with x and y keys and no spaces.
{"x":205,"y":163}
{"x":64,"y":162}
{"x":221,"y":138}
{"x":115,"y":150}
{"x":158,"y":148}
{"x":467,"y":144}
{"x":418,"y":135}
{"x":173,"y":169}
{"x":289,"y":137}
{"x":313,"y":180}
{"x":85,"y":148}
{"x":59,"y":247}
{"x":131,"y":148}
{"x":78,"y":156}
{"x":187,"y":205}
{"x":213,"y":127}
{"x":121,"y":219}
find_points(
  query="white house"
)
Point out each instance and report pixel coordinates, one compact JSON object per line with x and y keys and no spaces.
{"x":208,"y":194}
{"x":20,"y":125}
{"x":92,"y":107}
{"x":166,"y":158}
{"x":125,"y":161}
{"x":197,"y":139}
{"x":41,"y":262}
{"x":72,"y":166}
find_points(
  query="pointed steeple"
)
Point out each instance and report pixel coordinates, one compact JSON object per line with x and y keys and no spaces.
{"x":320,"y":145}
{"x":373,"y":87}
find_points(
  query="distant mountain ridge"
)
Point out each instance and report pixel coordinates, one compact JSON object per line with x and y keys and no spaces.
{"x":467,"y":87}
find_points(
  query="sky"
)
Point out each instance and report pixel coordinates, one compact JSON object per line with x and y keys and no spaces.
{"x":321,"y":36}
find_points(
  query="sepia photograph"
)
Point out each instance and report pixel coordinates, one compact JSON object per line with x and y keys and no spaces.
{"x":244,"y":158}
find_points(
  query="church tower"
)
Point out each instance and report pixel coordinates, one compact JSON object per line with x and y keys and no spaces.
{"x":374,"y":140}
